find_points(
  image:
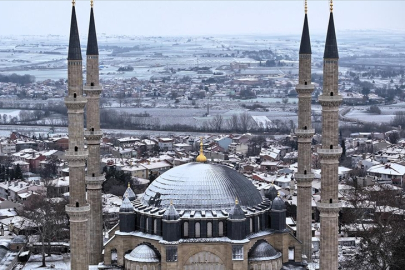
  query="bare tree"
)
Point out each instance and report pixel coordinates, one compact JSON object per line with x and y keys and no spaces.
{"x":376,"y":215}
{"x":233,"y":123}
{"x":216,"y":122}
{"x":245,"y":121}
{"x":47,"y":217}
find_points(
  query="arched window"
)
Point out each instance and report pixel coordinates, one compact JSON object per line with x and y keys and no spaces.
{"x":138,"y":267}
{"x":77,"y":204}
{"x":145,"y":267}
{"x":92,"y":84}
{"x":146,"y":224}
{"x":155,"y":228}
{"x":209,"y":229}
{"x":93,"y":175}
{"x":305,"y":171}
{"x":331,"y":94}
{"x":74,"y":95}
{"x":251,"y":225}
{"x":76,"y":148}
{"x":331,"y":146}
{"x":221,"y":228}
{"x":330,"y":200}
{"x":305,"y":83}
{"x":258,"y":223}
{"x":197,"y":229}
{"x":185,"y":229}
{"x":305,"y":128}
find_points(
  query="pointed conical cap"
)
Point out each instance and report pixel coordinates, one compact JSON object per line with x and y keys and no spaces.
{"x":75,"y":52}
{"x":331,"y":48}
{"x":305,"y":47}
{"x":92,"y":46}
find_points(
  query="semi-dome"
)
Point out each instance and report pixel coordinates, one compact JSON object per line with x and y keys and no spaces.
{"x":201,"y":186}
{"x":142,"y":253}
{"x":263,"y":251}
{"x":278,"y":204}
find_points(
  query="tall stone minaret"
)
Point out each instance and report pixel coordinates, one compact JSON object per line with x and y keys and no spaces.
{"x":93,"y":134}
{"x":304,"y":134}
{"x":330,"y":152}
{"x":77,"y":209}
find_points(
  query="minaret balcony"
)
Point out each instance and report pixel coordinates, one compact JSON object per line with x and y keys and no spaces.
{"x":304,"y":180}
{"x":330,"y":153}
{"x":95,"y":135}
{"x":95,"y":179}
{"x":304,"y":132}
{"x":331,"y":101}
{"x":92,"y":90}
{"x":328,"y":207}
{"x":75,"y":103}
{"x":305,"y":88}
{"x":78,"y":213}
{"x":76,"y":155}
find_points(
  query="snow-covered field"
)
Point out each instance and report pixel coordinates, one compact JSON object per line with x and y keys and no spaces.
{"x":10,"y":112}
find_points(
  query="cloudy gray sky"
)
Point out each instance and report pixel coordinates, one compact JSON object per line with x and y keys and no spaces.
{"x":190,"y":17}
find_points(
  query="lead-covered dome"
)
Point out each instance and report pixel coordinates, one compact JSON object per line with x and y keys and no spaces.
{"x":199,"y":186}
{"x":263,"y":251}
{"x":142,"y":253}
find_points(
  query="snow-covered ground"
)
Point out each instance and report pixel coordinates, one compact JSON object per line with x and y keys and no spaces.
{"x":60,"y":262}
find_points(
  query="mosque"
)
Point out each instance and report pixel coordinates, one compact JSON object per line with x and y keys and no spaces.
{"x":198,"y":216}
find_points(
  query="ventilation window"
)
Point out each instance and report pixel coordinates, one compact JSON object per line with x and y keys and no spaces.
{"x":305,"y":171}
{"x":92,"y":84}
{"x":74,"y":95}
{"x":93,"y":174}
{"x":92,"y":129}
{"x":305,"y":83}
{"x":330,"y":200}
{"x":77,"y":204}
{"x":331,"y":146}
{"x":305,"y":128}
{"x":331,"y":94}
{"x":76,"y":148}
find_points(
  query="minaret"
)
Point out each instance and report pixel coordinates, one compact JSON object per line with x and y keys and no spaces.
{"x":330,"y":152}
{"x":77,"y":209}
{"x":304,"y":133}
{"x":93,"y":134}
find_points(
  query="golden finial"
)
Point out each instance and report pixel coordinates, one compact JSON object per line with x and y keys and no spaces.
{"x":73,"y":2}
{"x":278,"y":194}
{"x":91,"y":3}
{"x":236,"y":201}
{"x":171,"y":202}
{"x":331,"y":5}
{"x":201,"y":157}
{"x":306,"y":6}
{"x":129,"y":185}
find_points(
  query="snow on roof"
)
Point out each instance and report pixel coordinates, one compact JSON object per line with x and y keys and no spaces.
{"x":388,"y":169}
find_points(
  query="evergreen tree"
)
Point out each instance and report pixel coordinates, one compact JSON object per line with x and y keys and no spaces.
{"x":18,"y":172}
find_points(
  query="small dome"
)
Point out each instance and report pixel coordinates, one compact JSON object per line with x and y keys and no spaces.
{"x":236,"y":212}
{"x":278,"y":204}
{"x":126,"y":205}
{"x":271,"y":193}
{"x":142,"y":253}
{"x":171,"y":213}
{"x":130,"y":193}
{"x":263,"y":251}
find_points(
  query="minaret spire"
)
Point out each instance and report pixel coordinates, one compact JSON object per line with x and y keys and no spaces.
{"x":93,"y":134}
{"x":304,"y":134}
{"x":330,"y":152}
{"x":92,"y":45}
{"x":74,"y":40}
{"x":78,"y":209}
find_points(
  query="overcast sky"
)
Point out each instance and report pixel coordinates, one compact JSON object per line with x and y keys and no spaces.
{"x":187,"y":17}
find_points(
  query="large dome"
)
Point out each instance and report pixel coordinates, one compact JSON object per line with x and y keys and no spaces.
{"x":200,"y":186}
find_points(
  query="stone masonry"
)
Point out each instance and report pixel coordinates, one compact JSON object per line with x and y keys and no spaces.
{"x":77,"y":209}
{"x":304,"y":133}
{"x":93,"y":134}
{"x":330,"y":152}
